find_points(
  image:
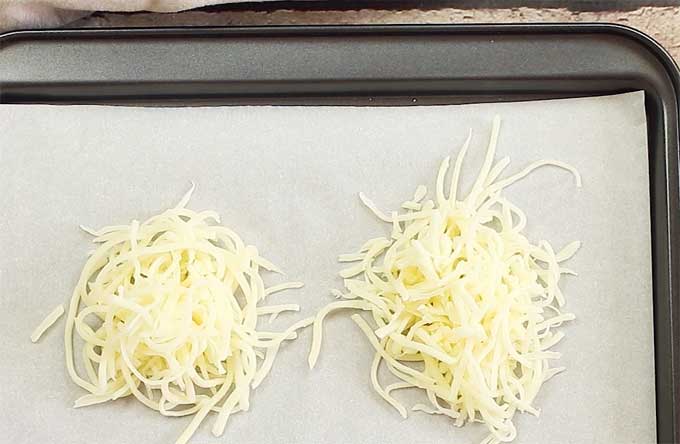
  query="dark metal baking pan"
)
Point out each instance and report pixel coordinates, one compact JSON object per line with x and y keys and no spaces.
{"x":379,"y":65}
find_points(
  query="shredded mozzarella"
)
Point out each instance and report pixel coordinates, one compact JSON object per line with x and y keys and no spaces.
{"x":460,"y":292}
{"x":167,"y":311}
{"x":46,"y":323}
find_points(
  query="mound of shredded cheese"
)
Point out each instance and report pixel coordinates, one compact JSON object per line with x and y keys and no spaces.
{"x":167,"y":311}
{"x":465,"y":306}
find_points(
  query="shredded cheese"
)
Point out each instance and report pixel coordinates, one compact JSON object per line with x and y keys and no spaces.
{"x":46,"y":323}
{"x":464,"y":306}
{"x":167,"y":312}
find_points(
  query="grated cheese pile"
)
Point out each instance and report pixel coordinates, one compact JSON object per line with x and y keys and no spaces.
{"x":167,"y":311}
{"x":464,"y":306}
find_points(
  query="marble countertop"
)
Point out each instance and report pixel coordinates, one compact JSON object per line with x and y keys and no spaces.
{"x":662,"y":23}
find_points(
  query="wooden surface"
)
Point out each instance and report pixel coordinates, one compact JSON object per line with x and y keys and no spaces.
{"x":662,"y":22}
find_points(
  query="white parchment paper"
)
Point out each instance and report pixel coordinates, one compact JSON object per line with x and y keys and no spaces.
{"x":286,"y":179}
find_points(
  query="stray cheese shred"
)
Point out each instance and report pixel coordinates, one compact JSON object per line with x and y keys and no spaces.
{"x":46,"y":323}
{"x":463,"y":305}
{"x":166,"y":311}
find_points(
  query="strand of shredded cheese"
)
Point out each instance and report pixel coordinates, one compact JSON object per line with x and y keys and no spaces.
{"x":46,"y":323}
{"x":459,"y":290}
{"x":167,"y":310}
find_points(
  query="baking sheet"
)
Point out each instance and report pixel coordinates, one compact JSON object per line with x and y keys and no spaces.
{"x":286,"y":179}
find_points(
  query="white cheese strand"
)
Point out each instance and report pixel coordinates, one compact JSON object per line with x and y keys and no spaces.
{"x":459,"y":290}
{"x":167,"y":310}
{"x":46,"y":323}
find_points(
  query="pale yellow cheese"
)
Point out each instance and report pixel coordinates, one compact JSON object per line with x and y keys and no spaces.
{"x":460,"y":291}
{"x":167,"y":311}
{"x":46,"y":323}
